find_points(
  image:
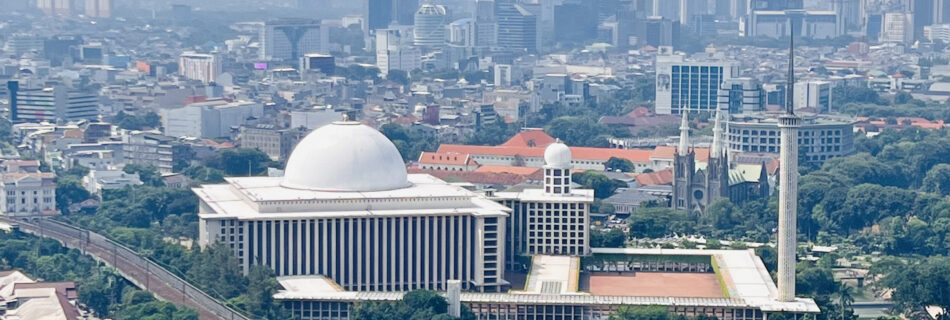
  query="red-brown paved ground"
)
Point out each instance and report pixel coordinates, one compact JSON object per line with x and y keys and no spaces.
{"x":653,"y":284}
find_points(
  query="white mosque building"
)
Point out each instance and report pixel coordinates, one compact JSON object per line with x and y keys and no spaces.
{"x":347,"y":209}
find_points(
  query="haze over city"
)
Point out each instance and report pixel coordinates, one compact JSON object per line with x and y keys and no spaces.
{"x":474,"y":159}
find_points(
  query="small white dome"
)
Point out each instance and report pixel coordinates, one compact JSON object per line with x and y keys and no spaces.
{"x":557,"y":155}
{"x":345,"y":156}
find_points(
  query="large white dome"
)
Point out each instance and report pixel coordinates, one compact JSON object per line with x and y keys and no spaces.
{"x":558,"y":155}
{"x":345,"y":156}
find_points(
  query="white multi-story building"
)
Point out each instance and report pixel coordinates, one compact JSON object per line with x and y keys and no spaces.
{"x":395,"y":52}
{"x":28,"y":194}
{"x":937,"y":32}
{"x":691,"y":85}
{"x":99,"y":8}
{"x":809,"y":24}
{"x":549,"y":220}
{"x":54,"y":103}
{"x":198,"y":66}
{"x":290,"y":39}
{"x":211,"y":119}
{"x":347,"y":209}
{"x":815,"y":95}
{"x":819,"y":138}
{"x":897,"y":27}
{"x":741,"y":95}
{"x":97,"y":180}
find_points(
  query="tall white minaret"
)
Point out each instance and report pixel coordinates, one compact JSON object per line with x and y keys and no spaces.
{"x":684,"y":135}
{"x":788,"y":186}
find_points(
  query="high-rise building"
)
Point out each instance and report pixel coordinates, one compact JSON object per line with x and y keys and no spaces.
{"x":814,"y":95}
{"x":462,"y":33}
{"x":430,"y":27}
{"x":741,"y":95}
{"x":517,"y":26}
{"x":851,"y":13}
{"x":290,"y":39}
{"x":55,"y":7}
{"x":692,"y":86}
{"x":404,"y":12}
{"x":897,"y":27}
{"x":99,"y":8}
{"x":809,"y":24}
{"x":394,"y":51}
{"x":938,"y":32}
{"x":924,"y":14}
{"x":874,"y":26}
{"x":54,"y":103}
{"x":669,"y":9}
{"x":379,"y":14}
{"x":575,"y":22}
{"x":486,"y":35}
{"x":199,"y":66}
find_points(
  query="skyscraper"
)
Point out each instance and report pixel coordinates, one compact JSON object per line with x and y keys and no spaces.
{"x":404,"y":11}
{"x":486,"y":25}
{"x":99,"y":8}
{"x":379,"y":14}
{"x":692,"y":86}
{"x":517,"y":27}
{"x":290,"y":39}
{"x":430,"y":26}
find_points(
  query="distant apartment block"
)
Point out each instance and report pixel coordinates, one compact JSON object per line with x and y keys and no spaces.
{"x":53,"y":103}
{"x":198,"y":66}
{"x":210,"y":119}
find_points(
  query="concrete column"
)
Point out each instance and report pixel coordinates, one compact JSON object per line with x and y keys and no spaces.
{"x":788,"y":207}
{"x":454,"y":298}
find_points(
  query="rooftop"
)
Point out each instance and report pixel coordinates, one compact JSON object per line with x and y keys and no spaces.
{"x":748,"y":283}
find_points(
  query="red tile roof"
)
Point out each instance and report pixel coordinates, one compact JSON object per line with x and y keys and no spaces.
{"x":508,"y":179}
{"x":524,"y":171}
{"x":655,"y":178}
{"x":582,"y":153}
{"x":447,"y":158}
{"x":530,"y":138}
{"x":667,"y":152}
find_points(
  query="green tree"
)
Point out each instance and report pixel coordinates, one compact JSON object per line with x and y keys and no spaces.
{"x":147,"y":173}
{"x":937,"y":180}
{"x":240,"y":162}
{"x":493,"y":134}
{"x":415,"y":305}
{"x":398,"y":76}
{"x":623,"y":165}
{"x":919,"y":284}
{"x":603,"y":186}
{"x":611,"y":238}
{"x":69,"y":191}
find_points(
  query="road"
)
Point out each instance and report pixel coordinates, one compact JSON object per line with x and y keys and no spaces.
{"x":143,"y":273}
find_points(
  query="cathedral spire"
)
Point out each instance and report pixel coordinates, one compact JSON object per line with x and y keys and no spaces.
{"x":684,"y":135}
{"x":716,"y":150}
